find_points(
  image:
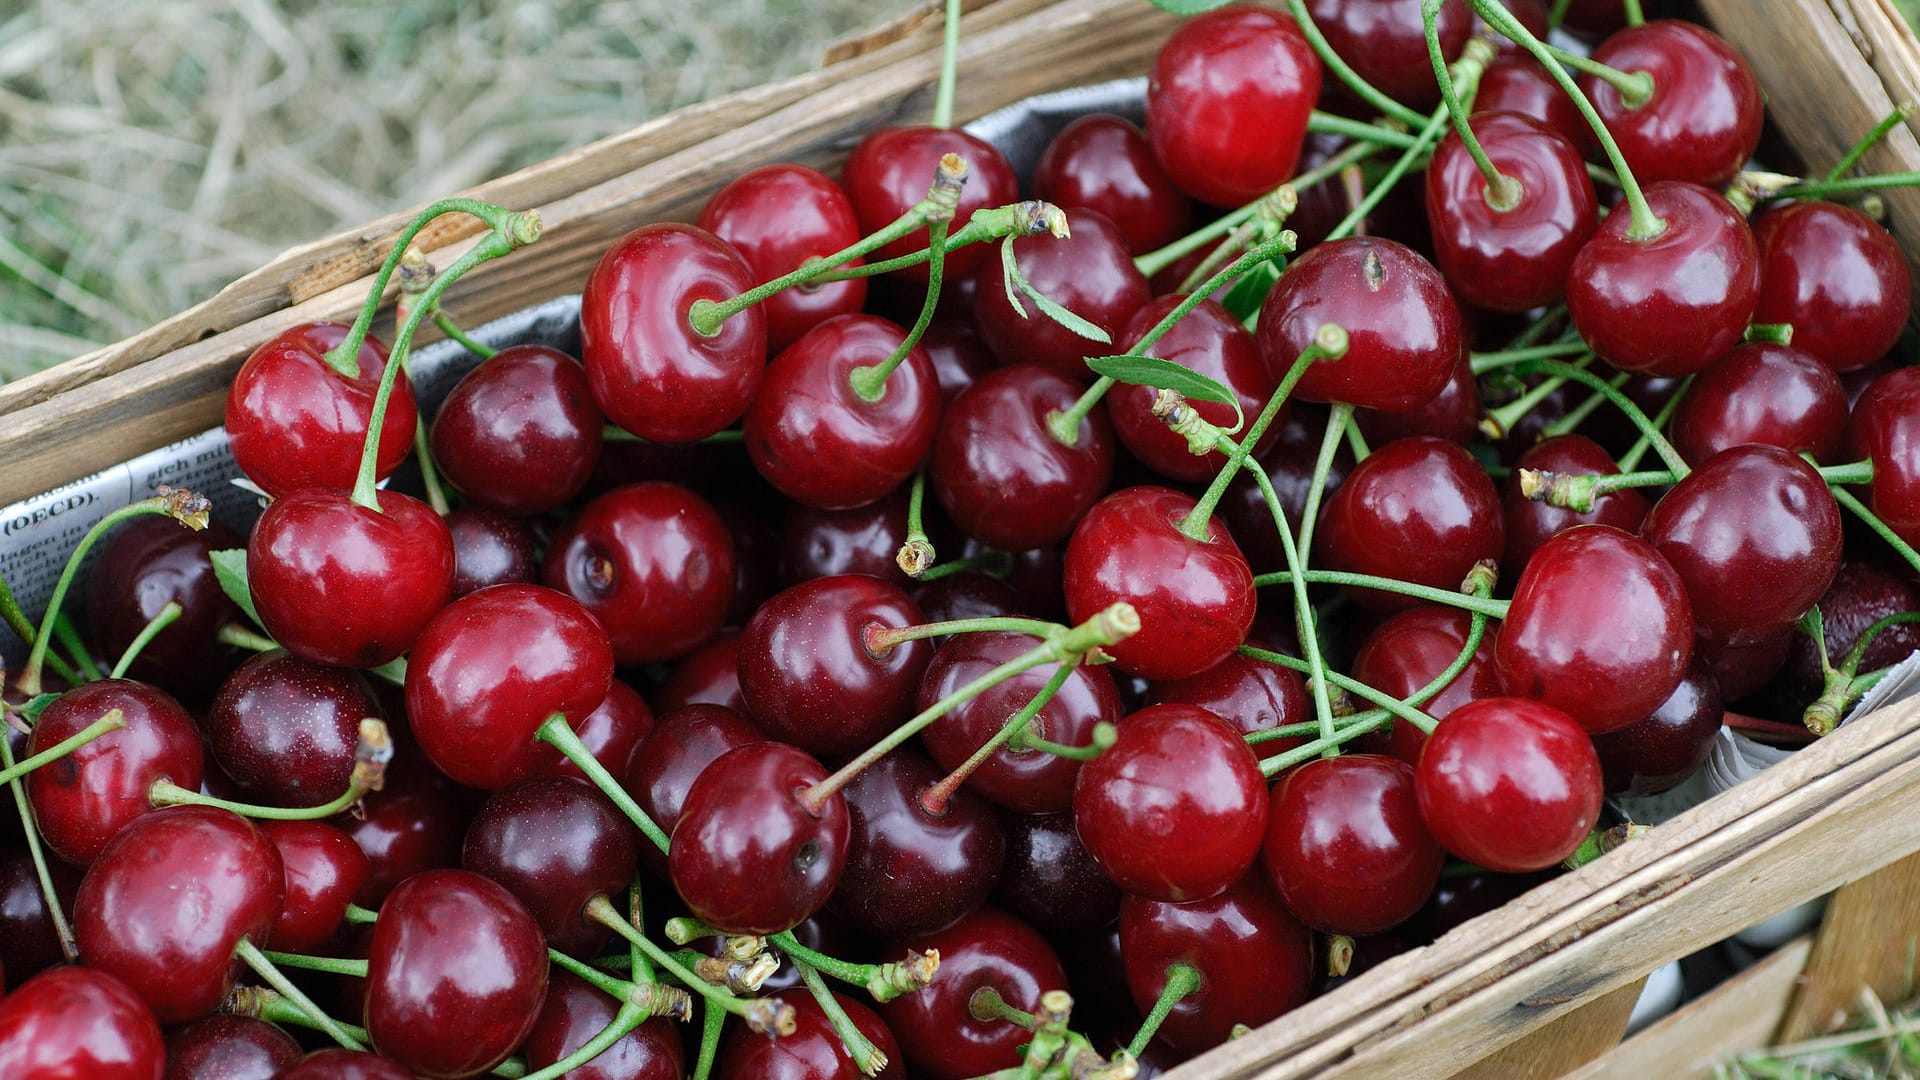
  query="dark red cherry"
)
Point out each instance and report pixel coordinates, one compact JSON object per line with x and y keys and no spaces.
{"x":1176,"y":807}
{"x":520,"y":433}
{"x":1345,"y":845}
{"x":890,"y":171}
{"x":959,"y":356}
{"x":748,"y":512}
{"x":650,"y":370}
{"x":542,"y":654}
{"x":1208,"y":340}
{"x":221,"y":1047}
{"x":1453,"y":414}
{"x":296,"y":423}
{"x":413,"y":824}
{"x":710,"y":676}
{"x":808,"y":676}
{"x":169,"y":899}
{"x":1051,"y":880}
{"x":1885,"y":427}
{"x":909,"y":870}
{"x":1421,"y":510}
{"x":457,"y":974}
{"x":325,"y":870}
{"x":1289,"y":467}
{"x":82,"y":800}
{"x":813,"y":1052}
{"x":777,"y":217}
{"x":817,"y":440}
{"x":1227,"y":103}
{"x":1089,"y":272}
{"x":1862,"y":593}
{"x":1195,"y":598}
{"x":1518,"y":84}
{"x":340,"y":1064}
{"x":997,"y":469}
{"x":1675,"y":303}
{"x":1763,"y":393}
{"x":1509,"y":784}
{"x":490,"y":549}
{"x":1512,"y":259}
{"x":1837,"y":276}
{"x":1562,"y":643}
{"x":666,"y":763}
{"x":1703,"y":120}
{"x":653,"y":562}
{"x":555,"y":843}
{"x":1403,"y":326}
{"x":937,"y":1029}
{"x":1105,"y":164}
{"x":144,"y":565}
{"x":609,"y":732}
{"x":76,"y":1023}
{"x":1409,"y":650}
{"x":1250,"y":695}
{"x":1656,"y":754}
{"x":748,"y":857}
{"x":966,"y":595}
{"x":1529,"y":523}
{"x":575,"y":1011}
{"x":864,"y":540}
{"x":1254,"y":960}
{"x":1591,"y":20}
{"x":1386,"y":43}
{"x":337,"y":583}
{"x":28,"y":942}
{"x":1022,"y":780}
{"x":285,"y":729}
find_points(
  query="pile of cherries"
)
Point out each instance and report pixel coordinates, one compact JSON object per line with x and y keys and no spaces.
{"x":1036,"y":664}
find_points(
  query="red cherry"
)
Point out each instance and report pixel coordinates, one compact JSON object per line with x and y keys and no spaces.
{"x":1105,"y":164}
{"x":710,"y":676}
{"x":936,"y":1027}
{"x":325,"y":870}
{"x":28,"y":943}
{"x":555,"y":843}
{"x":83,"y":800}
{"x":520,"y":433}
{"x":575,"y":1011}
{"x":221,"y":1047}
{"x":825,"y":543}
{"x":814,"y":1050}
{"x":1862,"y":593}
{"x":1346,"y":847}
{"x":890,"y":171}
{"x":1408,"y":651}
{"x":777,"y":217}
{"x":76,"y":1023}
{"x":1885,"y":427}
{"x":1250,"y":695}
{"x":1210,"y":341}
{"x":1051,"y":881}
{"x":294,"y":422}
{"x":1837,"y":276}
{"x":1421,"y":510}
{"x":1385,"y":42}
{"x":490,"y":549}
{"x":286,"y":730}
{"x":1228,"y":100}
{"x":413,"y":824}
{"x":1518,"y":84}
{"x":1454,"y":414}
{"x":609,"y":732}
{"x":650,"y":370}
{"x":1703,"y":120}
{"x":145,"y":564}
{"x":1763,"y":393}
{"x":1658,"y":753}
{"x":1175,"y":809}
{"x":1509,"y":784}
{"x":959,"y":356}
{"x":909,"y":870}
{"x":1530,"y":523}
{"x":666,"y":763}
{"x":1089,"y":272}
{"x":338,"y":1064}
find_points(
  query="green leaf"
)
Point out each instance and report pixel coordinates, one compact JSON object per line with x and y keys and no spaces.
{"x":1010,"y":276}
{"x":1189,"y":7}
{"x":1155,"y":372}
{"x":1251,"y":290}
{"x":34,"y":706}
{"x":230,"y":569}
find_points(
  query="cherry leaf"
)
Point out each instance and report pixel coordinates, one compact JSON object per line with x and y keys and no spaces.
{"x":230,"y":569}
{"x":1165,"y":374}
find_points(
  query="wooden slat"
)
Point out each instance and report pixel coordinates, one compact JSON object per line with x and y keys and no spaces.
{"x":1566,"y":1043}
{"x":1737,"y":1016}
{"x":1869,"y":937}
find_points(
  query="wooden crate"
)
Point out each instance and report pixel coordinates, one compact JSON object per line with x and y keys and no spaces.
{"x":1537,"y":989}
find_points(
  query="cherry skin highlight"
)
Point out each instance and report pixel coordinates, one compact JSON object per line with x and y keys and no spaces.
{"x":1420,"y":510}
{"x":83,"y":800}
{"x":77,"y":1023}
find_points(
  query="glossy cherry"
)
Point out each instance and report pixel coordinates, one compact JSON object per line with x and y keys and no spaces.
{"x":1421,"y":510}
{"x":82,"y":800}
{"x":145,"y":564}
{"x":221,"y":1047}
{"x":1509,"y":784}
{"x":1385,"y":42}
{"x":1410,"y":649}
{"x":77,"y":1023}
{"x":1210,"y":341}
{"x":864,"y":540}
{"x":1885,"y":428}
{"x":1050,"y":880}
{"x":1250,"y":695}
{"x":1703,"y":119}
{"x":457,"y":974}
{"x":1656,"y":754}
{"x":1105,"y":164}
{"x":520,"y":433}
{"x":325,"y":870}
{"x":911,"y":871}
{"x":413,"y":824}
{"x":666,"y":763}
{"x":575,"y":1011}
{"x":937,"y":1029}
{"x":555,"y":843}
{"x":1530,"y":523}
{"x":1088,"y":272}
{"x":890,"y":171}
{"x":1175,"y":809}
{"x":286,"y":729}
{"x":1518,"y":84}
{"x":777,"y":217}
{"x":1862,"y":593}
{"x":295,"y":422}
{"x":710,"y":676}
{"x":1454,"y":414}
{"x":1345,"y":845}
{"x":340,"y":1064}
{"x":610,"y":732}
{"x":1837,"y":276}
{"x":1763,"y":393}
{"x":28,"y":942}
{"x":490,"y":549}
{"x":1228,"y":100}
{"x":813,"y":1052}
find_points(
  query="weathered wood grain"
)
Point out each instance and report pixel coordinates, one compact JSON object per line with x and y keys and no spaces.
{"x":1868,"y":937}
{"x":1566,"y":1043}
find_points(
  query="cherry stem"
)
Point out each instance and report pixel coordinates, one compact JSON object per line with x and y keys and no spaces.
{"x":1601,"y":841}
{"x":273,"y":977}
{"x":1482,"y":363}
{"x":865,"y":1055}
{"x":17,"y":620}
{"x":1635,"y":87}
{"x":1634,"y":16}
{"x":372,"y":754}
{"x":916,"y":554}
{"x":986,"y":1005}
{"x":1631,"y":459}
{"x":332,"y":965}
{"x":1466,"y":74}
{"x":453,"y":333}
{"x":762,"y":1015}
{"x":616,"y":433}
{"x":629,"y":1017}
{"x":1338,"y":418}
{"x":949,"y":69}
{"x":178,"y":503}
{"x":870,"y":382}
{"x":1900,"y":114}
{"x":513,"y":230}
{"x":878,"y":639}
{"x":429,"y":473}
{"x":934,"y":799}
{"x":360,"y":916}
{"x":114,"y":720}
{"x":69,"y":639}
{"x":1029,"y":218}
{"x":1820,"y":189}
{"x":1502,"y":193}
{"x":712,"y":1021}
{"x":1578,"y":415}
{"x":1843,"y":685}
{"x":1378,"y":134}
{"x":1776,"y":333}
{"x":1872,"y":520}
{"x":1648,"y":429}
{"x":1063,"y":646}
{"x":1101,"y":739}
{"x":62,"y":929}
{"x":265,"y":1004}
{"x":1494,"y":609}
{"x":1498,"y":422}
{"x":1346,"y":733}
{"x":1388,"y":705}
{"x":636,"y":960}
{"x":1343,"y":71}
{"x":1182,"y":980}
{"x":161,"y":620}
{"x":1645,"y":224}
{"x":555,"y":732}
{"x":242,"y":638}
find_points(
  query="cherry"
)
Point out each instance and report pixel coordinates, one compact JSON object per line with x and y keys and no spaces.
{"x":1453,"y":414}
{"x":1105,"y":164}
{"x":575,"y":1011}
{"x":1023,"y":780}
{"x":1862,"y":593}
{"x":1088,"y":272}
{"x":145,"y":564}
{"x":609,"y":732}
{"x":28,"y":941}
{"x":652,"y":372}
{"x":168,"y":901}
{"x":890,"y":171}
{"x":1591,"y":20}
{"x":1656,"y":754}
{"x":748,"y":856}
{"x":1530,"y":523}
{"x":413,"y":824}
{"x":959,"y":356}
{"x":1409,"y":650}
{"x":777,"y":217}
{"x":816,"y":439}
{"x":82,"y":800}
{"x":813,"y":1052}
{"x":1289,"y":468}
{"x":1207,"y":340}
{"x":324,"y":871}
{"x":1385,"y":43}
{"x":286,"y":729}
{"x":555,"y":843}
{"x":1703,"y":119}
{"x":1509,"y":784}
{"x":1195,"y":598}
{"x":653,"y":563}
{"x":542,"y":654}
{"x":1254,"y":960}
{"x":1174,"y":810}
{"x":1403,"y":326}
{"x":223,"y":1047}
{"x":966,"y":595}
{"x":937,"y":1027}
{"x":1755,"y":537}
{"x":1051,"y":880}
{"x":1001,"y":475}
{"x":342,"y":584}
{"x":1561,"y":642}
{"x":430,"y":1007}
{"x":1672,"y":304}
{"x":666,"y":763}
{"x":76,"y":1023}
{"x":806,"y":671}
{"x":1250,"y":695}
{"x":1228,"y":100}
{"x":1763,"y":393}
{"x":1345,"y":845}
{"x":1837,"y":276}
{"x":294,"y":422}
{"x":520,"y":433}
{"x":1518,"y":84}
{"x":710,"y":676}
{"x":489,"y":549}
{"x":912,"y":871}
{"x":864,"y":540}
{"x":1421,"y":510}
{"x":338,"y":1064}
{"x":1883,"y":428}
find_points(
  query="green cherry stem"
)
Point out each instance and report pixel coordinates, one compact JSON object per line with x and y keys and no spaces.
{"x":916,"y":553}
{"x":629,"y":1017}
{"x":17,"y":620}
{"x":1872,"y":520}
{"x":1326,"y":745}
{"x":1029,"y":218}
{"x":1648,"y":429}
{"x":870,"y":383}
{"x":1494,"y":609}
{"x":68,"y":636}
{"x":1499,"y":421}
{"x":1635,"y":87}
{"x":712,"y":1021}
{"x":884,"y":981}
{"x":1631,"y":459}
{"x":114,"y":720}
{"x":372,"y":754}
{"x":242,"y":638}
{"x":263,"y":967}
{"x":453,"y":332}
{"x":1386,"y":705}
{"x":1340,"y":69}
{"x":865,"y":1055}
{"x":555,"y":732}
{"x":1634,"y":15}
{"x":1844,"y":684}
{"x":934,"y":799}
{"x":1821,"y":189}
{"x":1578,"y":415}
{"x":763,"y":1015}
{"x":62,"y":928}
{"x":1900,"y":114}
{"x":332,"y":965}
{"x":162,"y":619}
{"x":878,"y":639}
{"x":949,"y":66}
{"x":262,"y":1003}
{"x":1338,"y":417}
{"x":1101,"y":739}
{"x":1181,"y":981}
{"x":1482,"y":363}
{"x":1502,"y":192}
